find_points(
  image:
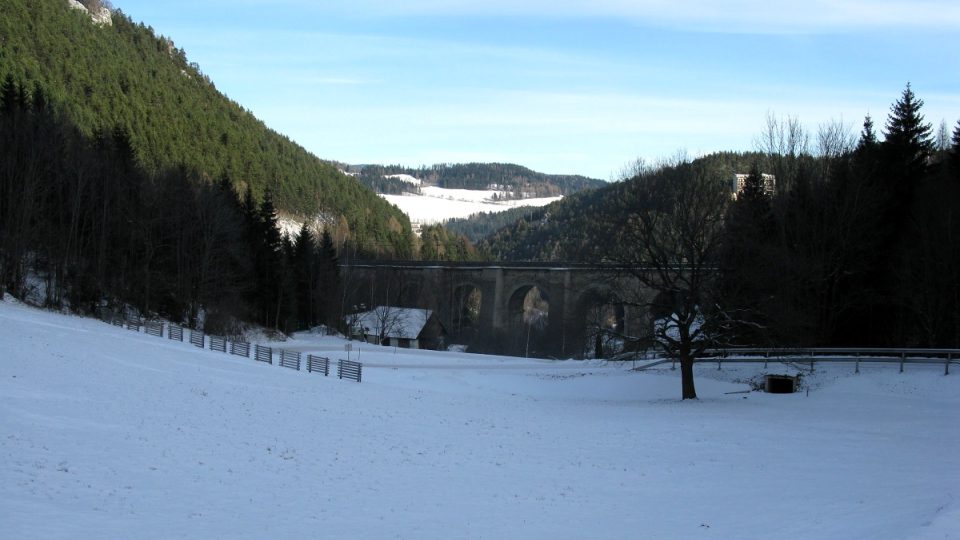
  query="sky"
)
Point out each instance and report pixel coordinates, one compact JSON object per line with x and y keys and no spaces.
{"x":562,"y":86}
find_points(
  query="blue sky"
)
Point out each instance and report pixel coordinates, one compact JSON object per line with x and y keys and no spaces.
{"x":562,"y":86}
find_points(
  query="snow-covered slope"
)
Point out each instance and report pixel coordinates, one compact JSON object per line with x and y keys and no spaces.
{"x":106,"y":433}
{"x":434,"y":204}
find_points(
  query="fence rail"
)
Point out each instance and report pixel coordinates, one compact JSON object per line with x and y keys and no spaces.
{"x":347,"y":369}
{"x":154,"y":328}
{"x":218,"y":343}
{"x":812,"y":356}
{"x":290,"y":359}
{"x":175,"y":331}
{"x":318,"y":364}
{"x":263,"y":354}
{"x":196,"y":338}
{"x":240,"y":348}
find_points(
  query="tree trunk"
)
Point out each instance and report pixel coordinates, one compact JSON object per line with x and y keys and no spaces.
{"x":686,"y":376}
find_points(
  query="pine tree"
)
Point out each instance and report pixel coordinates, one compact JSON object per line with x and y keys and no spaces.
{"x":9,"y":96}
{"x":753,"y":186}
{"x":745,"y":257}
{"x":868,"y":137}
{"x":908,"y":142}
{"x":328,"y":290}
{"x":269,"y":264}
{"x":955,"y":151}
{"x":303,"y":270}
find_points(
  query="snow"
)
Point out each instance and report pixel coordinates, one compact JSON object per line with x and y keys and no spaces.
{"x":108,"y":433}
{"x":435,"y":204}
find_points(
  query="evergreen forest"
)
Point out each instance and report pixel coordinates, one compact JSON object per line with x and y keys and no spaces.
{"x":859,"y":244}
{"x":123,"y":76}
{"x":127,"y":181}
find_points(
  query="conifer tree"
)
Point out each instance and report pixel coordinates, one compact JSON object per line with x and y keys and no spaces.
{"x":269,"y":264}
{"x":745,"y":257}
{"x":303,"y":270}
{"x":907,"y":141}
{"x":868,"y":137}
{"x":955,"y":151}
{"x":753,"y":187}
{"x":328,"y":290}
{"x":9,"y":95}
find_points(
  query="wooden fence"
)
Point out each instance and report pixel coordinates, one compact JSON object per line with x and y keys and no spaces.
{"x":347,"y":369}
{"x":318,"y":364}
{"x":175,"y":332}
{"x":288,"y":359}
{"x":196,"y":338}
{"x":218,"y":343}
{"x":154,"y":328}
{"x":240,"y":348}
{"x":263,"y":354}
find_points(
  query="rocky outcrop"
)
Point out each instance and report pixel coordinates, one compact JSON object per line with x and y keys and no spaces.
{"x":98,"y":11}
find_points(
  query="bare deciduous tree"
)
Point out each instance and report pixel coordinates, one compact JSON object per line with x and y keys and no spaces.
{"x":669,"y":245}
{"x":783,"y":137}
{"x":835,"y":138}
{"x":942,"y":144}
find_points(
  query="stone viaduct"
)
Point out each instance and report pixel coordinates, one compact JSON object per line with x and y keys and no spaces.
{"x":488,"y":298}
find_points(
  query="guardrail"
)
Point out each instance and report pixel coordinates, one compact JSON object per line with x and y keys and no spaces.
{"x":812,"y":356}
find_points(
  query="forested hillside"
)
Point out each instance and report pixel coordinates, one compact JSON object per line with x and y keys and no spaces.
{"x":128,"y":182}
{"x":516,"y":181}
{"x":104,"y":78}
{"x":858,"y":245}
{"x":578,"y":228}
{"x":478,"y":227}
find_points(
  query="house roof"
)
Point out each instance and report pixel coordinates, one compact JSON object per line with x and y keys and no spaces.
{"x":396,"y":322}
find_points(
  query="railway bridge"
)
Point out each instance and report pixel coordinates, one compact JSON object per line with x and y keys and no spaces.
{"x":564,"y":309}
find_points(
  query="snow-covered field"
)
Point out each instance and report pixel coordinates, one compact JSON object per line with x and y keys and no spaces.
{"x":107,"y":433}
{"x":435,"y":204}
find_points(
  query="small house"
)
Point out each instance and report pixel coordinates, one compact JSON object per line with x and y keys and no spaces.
{"x":409,"y":328}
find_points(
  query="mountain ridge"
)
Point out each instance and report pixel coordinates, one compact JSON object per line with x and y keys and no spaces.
{"x":515,"y":181}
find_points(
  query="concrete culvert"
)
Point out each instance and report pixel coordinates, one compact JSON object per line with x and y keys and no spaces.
{"x":780,"y":384}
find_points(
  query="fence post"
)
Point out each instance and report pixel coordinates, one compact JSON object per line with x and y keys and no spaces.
{"x":946,"y":366}
{"x":766,"y":358}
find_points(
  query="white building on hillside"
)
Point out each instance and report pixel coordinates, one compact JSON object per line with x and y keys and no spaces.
{"x":769,"y":184}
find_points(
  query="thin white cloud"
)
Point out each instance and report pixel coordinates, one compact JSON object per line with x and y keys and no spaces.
{"x":754,"y":16}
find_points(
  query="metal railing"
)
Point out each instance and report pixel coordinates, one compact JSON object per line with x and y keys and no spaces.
{"x":812,"y":356}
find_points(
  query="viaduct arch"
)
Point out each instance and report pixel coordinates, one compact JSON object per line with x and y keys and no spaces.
{"x":482,"y":299}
